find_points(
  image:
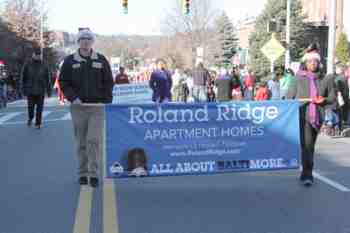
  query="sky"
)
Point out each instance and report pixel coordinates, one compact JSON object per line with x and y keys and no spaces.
{"x":144,"y":17}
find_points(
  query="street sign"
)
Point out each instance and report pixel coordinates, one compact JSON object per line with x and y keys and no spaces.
{"x":273,"y":49}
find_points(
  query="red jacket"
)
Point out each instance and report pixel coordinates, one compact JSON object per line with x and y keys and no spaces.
{"x":262,"y":94}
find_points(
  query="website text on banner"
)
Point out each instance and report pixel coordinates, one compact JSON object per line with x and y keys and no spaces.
{"x":132,"y":94}
{"x":165,"y":140}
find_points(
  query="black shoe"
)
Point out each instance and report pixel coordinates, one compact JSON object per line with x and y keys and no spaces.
{"x":37,"y":126}
{"x":29,"y":123}
{"x":94,"y":182}
{"x":83,"y":180}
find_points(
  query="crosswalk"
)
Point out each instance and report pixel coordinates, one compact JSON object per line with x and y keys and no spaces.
{"x":17,"y":118}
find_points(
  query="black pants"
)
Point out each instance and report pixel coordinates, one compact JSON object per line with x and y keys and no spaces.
{"x":38,"y":101}
{"x":308,"y":136}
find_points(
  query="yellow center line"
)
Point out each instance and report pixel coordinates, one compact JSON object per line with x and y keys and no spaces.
{"x":110,"y":214}
{"x":83,"y":213}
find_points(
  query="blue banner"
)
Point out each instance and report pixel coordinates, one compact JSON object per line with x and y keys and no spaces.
{"x":187,"y":139}
{"x":132,"y":94}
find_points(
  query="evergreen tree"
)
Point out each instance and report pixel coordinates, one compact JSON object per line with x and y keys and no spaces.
{"x":343,"y":50}
{"x":277,"y":10}
{"x":227,"y":40}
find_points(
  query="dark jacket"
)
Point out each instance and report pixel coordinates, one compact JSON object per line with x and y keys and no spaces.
{"x":200,"y":77}
{"x":161,"y":83}
{"x":36,"y":79}
{"x":300,"y":90}
{"x":89,"y":79}
{"x":341,"y":85}
{"x":224,"y":87}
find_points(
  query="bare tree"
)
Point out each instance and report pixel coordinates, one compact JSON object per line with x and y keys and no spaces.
{"x":196,"y":28}
{"x":23,"y":20}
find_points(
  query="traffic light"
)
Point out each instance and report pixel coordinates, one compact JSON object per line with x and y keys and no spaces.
{"x":186,"y":6}
{"x":125,"y":6}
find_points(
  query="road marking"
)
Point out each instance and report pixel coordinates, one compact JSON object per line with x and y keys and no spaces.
{"x":330,"y":182}
{"x":110,"y":208}
{"x":66,"y":117}
{"x":4,"y":120}
{"x":110,"y":214}
{"x":45,"y":114}
{"x":83,"y":213}
{"x":9,"y":116}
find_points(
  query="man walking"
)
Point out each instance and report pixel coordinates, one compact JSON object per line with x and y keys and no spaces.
{"x":86,"y":77}
{"x":35,"y":82}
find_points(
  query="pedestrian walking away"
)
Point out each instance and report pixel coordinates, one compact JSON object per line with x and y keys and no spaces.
{"x":200,"y":79}
{"x":86,"y":77}
{"x":224,"y":86}
{"x":36,"y":81}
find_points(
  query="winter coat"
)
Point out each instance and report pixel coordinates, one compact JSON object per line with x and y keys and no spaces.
{"x":89,"y":79}
{"x":35,"y":79}
{"x":301,"y":90}
{"x":262,"y":94}
{"x":161,"y":84}
{"x":224,"y":88}
{"x":200,"y":77}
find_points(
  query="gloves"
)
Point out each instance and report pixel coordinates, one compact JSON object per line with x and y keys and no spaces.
{"x":318,"y":100}
{"x":76,"y":101}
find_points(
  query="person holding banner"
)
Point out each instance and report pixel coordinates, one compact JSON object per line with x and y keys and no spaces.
{"x":161,"y":83}
{"x":86,"y":80}
{"x":314,"y":93}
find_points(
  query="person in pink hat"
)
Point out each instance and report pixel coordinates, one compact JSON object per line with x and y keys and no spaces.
{"x":314,"y":92}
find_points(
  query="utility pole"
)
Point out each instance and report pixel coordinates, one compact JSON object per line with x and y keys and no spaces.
{"x":42,"y":29}
{"x":287,"y":61}
{"x":41,"y":34}
{"x":332,"y":35}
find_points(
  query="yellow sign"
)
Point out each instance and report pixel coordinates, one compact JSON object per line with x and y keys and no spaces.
{"x":273,"y":49}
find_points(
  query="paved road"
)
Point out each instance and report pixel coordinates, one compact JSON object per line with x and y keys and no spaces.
{"x":39,"y":193}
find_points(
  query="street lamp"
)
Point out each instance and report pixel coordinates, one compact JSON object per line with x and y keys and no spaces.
{"x":41,"y":35}
{"x":43,"y":2}
{"x":331,"y":36}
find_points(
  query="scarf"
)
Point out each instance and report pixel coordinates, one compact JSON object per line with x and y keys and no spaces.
{"x":312,"y":114}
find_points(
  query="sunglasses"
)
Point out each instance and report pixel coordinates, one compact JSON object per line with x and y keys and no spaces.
{"x":86,"y":38}
{"x":81,"y":29}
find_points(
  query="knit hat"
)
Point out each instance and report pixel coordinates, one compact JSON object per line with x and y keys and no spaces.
{"x":86,"y":33}
{"x":312,"y":53}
